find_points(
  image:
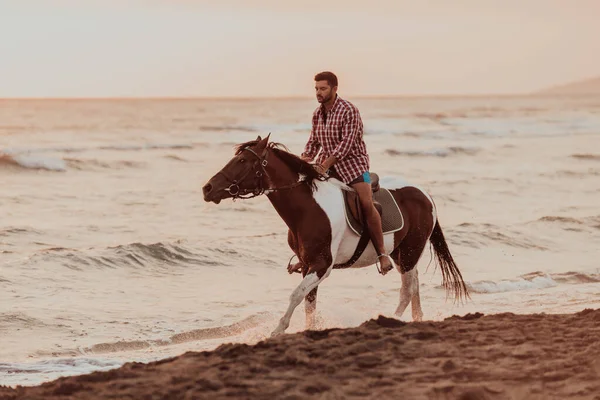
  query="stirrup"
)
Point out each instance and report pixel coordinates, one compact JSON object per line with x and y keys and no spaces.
{"x":393,"y":264}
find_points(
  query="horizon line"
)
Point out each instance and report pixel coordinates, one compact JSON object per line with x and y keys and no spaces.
{"x":290,"y":97}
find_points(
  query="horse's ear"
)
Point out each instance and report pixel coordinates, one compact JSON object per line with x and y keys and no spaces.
{"x":258,"y":138}
{"x":262,"y":145}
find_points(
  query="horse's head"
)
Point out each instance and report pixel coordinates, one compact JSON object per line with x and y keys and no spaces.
{"x":242,"y":175}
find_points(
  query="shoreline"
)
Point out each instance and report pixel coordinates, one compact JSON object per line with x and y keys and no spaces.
{"x":475,"y":356}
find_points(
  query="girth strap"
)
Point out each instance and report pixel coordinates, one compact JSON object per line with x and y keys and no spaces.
{"x":360,"y":248}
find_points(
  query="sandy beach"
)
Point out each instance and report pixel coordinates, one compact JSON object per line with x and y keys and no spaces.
{"x":475,"y":356}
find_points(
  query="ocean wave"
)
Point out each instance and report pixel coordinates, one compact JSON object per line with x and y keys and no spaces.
{"x":31,"y":151}
{"x":444,"y":152}
{"x":525,"y":126}
{"x":226,"y":128}
{"x":70,"y":365}
{"x":573,"y":174}
{"x":564,"y":220}
{"x":576,"y":277}
{"x":258,"y":127}
{"x":175,"y":157}
{"x":218,"y":332}
{"x":148,"y":146}
{"x":169,"y":254}
{"x":90,"y":164}
{"x":53,"y":149}
{"x":152,"y":258}
{"x":480,"y":235}
{"x":510,"y":286}
{"x":38,"y":162}
{"x":12,"y":231}
{"x":33,"y":162}
{"x":586,"y":156}
{"x":438,"y":116}
{"x":534,"y":280}
{"x":47,"y":370}
{"x":15,"y":321}
{"x":569,"y":222}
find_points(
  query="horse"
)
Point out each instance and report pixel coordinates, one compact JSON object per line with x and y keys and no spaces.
{"x":315,"y":206}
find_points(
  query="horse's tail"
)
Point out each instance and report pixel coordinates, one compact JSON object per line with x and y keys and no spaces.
{"x":451,"y":277}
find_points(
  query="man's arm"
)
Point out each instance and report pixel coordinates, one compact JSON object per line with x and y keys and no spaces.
{"x":312,"y":146}
{"x":331,"y":160}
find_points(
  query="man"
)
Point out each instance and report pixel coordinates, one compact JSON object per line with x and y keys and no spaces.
{"x":337,"y":130}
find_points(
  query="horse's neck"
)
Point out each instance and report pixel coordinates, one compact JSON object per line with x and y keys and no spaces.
{"x":288,"y":202}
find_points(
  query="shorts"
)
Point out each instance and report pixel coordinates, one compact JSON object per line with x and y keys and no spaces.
{"x":365,"y":177}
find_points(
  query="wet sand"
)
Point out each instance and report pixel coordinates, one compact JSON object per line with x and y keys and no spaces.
{"x":475,"y":356}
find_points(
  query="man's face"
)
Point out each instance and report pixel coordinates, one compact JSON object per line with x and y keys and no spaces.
{"x":324,"y":91}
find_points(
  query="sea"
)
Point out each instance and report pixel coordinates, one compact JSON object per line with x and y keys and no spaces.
{"x":109,"y":254}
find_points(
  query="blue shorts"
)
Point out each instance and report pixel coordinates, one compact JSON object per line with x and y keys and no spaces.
{"x":365,"y":177}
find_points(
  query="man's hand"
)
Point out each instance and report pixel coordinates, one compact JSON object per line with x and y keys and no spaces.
{"x":329,"y":163}
{"x":320,"y":169}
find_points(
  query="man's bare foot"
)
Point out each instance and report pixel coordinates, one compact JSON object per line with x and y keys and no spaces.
{"x":294,"y":267}
{"x":386,"y":263}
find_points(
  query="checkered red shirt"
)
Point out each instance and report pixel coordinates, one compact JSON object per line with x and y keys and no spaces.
{"x":341,"y":135}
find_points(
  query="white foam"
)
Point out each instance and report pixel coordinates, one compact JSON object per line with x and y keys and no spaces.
{"x":40,"y":162}
{"x":539,"y":282}
{"x":12,"y":374}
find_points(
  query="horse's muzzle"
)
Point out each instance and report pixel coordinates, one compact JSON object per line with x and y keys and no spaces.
{"x":208,"y":192}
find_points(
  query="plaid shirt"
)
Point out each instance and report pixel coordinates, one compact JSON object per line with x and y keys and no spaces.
{"x":339,"y":133}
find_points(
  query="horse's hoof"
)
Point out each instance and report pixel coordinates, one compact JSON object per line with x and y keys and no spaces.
{"x":277,"y":332}
{"x":417,"y":317}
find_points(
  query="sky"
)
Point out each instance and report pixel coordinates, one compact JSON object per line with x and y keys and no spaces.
{"x":267,"y":48}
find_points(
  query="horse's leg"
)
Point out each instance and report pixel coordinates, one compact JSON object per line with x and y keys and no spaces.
{"x":408,"y":255}
{"x":310,"y":300}
{"x":310,"y":282}
{"x":406,"y":291}
{"x":310,"y":308}
{"x":415,"y":301}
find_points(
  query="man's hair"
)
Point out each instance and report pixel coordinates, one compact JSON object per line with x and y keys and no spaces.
{"x":327,"y":76}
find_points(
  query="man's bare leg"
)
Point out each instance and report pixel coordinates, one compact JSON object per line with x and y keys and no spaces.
{"x":373,"y":220}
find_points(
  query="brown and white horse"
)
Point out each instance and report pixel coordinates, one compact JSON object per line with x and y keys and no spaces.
{"x":312,"y":206}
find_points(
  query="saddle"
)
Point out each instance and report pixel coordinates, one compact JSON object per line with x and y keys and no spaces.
{"x":353,"y":207}
{"x":391,"y":221}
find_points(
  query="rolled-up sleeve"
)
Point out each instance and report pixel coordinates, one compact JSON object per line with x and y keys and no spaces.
{"x":312,"y":146}
{"x":350,"y":132}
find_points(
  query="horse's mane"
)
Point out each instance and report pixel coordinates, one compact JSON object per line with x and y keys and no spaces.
{"x":294,"y":162}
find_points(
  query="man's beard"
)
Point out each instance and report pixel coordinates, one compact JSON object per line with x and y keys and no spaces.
{"x":323,"y":99}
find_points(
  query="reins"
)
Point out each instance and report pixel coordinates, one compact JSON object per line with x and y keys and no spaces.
{"x":240,"y":193}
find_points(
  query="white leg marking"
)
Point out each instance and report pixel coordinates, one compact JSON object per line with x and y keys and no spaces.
{"x":417,"y":312}
{"x":309,"y":282}
{"x":407,"y":290}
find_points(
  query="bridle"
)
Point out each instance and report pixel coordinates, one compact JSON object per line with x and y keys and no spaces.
{"x":260,"y":171}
